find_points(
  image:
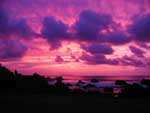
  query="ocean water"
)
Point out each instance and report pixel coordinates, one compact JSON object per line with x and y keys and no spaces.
{"x":106,"y":78}
{"x":104,"y":81}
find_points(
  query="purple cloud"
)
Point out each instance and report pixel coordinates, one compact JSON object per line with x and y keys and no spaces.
{"x":14,"y":26}
{"x":98,"y":48}
{"x":144,"y":45}
{"x":97,"y":59}
{"x":89,"y":25}
{"x":89,"y":28}
{"x":11,"y":49}
{"x":131,"y":61}
{"x":140,"y":29}
{"x":54,"y":31}
{"x":138,"y":52}
{"x":21,"y":28}
{"x":117,"y":38}
{"x":101,"y":59}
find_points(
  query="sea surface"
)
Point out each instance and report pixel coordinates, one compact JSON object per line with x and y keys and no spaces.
{"x":104,"y":81}
{"x":106,"y":78}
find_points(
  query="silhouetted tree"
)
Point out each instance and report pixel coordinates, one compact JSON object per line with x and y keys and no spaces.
{"x":80,"y":83}
{"x":94,"y":80}
{"x":121,"y":82}
{"x":145,"y":82}
{"x":60,"y":86}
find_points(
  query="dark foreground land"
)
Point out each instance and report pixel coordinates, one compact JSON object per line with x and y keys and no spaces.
{"x":43,"y":103}
{"x":34,"y":94}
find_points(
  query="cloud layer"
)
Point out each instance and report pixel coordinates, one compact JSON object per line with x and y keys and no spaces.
{"x":11,"y":49}
{"x":102,"y":30}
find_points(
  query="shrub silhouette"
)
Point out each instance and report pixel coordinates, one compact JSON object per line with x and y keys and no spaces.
{"x":145,"y":82}
{"x":94,"y":81}
{"x":60,"y":86}
{"x":121,"y":82}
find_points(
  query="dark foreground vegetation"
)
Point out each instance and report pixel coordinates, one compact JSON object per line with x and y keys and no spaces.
{"x":25,"y":94}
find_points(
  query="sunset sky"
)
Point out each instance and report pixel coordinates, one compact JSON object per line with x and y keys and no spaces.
{"x":76,"y":37}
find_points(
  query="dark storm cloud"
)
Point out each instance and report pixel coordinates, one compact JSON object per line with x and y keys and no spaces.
{"x":97,"y":59}
{"x":140,"y":29}
{"x":89,"y":25}
{"x":98,"y":48}
{"x":11,"y":49}
{"x":10,"y":26}
{"x":137,"y":51}
{"x":117,"y":38}
{"x":21,"y":28}
{"x":87,"y":28}
{"x":4,"y":22}
{"x":54,"y":31}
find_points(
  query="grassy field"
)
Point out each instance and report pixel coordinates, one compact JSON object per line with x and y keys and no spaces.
{"x":13,"y":103}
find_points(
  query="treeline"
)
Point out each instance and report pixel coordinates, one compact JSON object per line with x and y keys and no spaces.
{"x":141,"y":89}
{"x":15,"y":82}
